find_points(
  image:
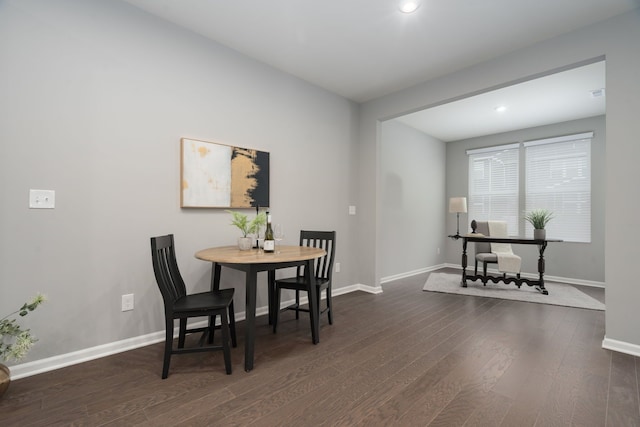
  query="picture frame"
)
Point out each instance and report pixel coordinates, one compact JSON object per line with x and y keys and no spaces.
{"x":214,"y":175}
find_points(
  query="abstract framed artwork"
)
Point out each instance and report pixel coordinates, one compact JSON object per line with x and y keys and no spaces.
{"x":216,"y":175}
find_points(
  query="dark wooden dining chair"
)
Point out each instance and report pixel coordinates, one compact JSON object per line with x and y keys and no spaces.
{"x":323,"y":272}
{"x":180,"y":305}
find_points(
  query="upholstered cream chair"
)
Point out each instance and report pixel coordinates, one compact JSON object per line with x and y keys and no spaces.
{"x":483,"y":250}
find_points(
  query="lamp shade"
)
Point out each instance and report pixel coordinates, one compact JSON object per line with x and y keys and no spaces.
{"x":457,"y":204}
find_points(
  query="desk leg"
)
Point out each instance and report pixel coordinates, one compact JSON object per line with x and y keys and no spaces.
{"x":313,"y":302}
{"x":541,"y":287}
{"x":464,"y":263}
{"x":250,"y":321}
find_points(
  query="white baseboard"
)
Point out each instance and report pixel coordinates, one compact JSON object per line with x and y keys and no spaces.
{"x":621,"y":346}
{"x":358,"y":287}
{"x":56,"y":362}
{"x":411,"y":273}
{"x":85,"y":355}
{"x":63,"y":360}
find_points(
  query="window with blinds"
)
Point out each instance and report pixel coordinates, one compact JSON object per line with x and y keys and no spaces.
{"x":558,"y":178}
{"x":493,"y":185}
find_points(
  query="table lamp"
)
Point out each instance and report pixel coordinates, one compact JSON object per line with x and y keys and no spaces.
{"x":457,"y":205}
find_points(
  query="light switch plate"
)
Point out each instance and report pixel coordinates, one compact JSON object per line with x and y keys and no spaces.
{"x":42,"y":199}
{"x":127,"y":302}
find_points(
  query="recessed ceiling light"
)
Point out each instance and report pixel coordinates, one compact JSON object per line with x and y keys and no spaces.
{"x":500,"y":109}
{"x":409,"y":6}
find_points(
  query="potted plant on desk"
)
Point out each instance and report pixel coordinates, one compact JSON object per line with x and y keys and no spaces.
{"x":247,"y":227}
{"x":539,"y":219}
{"x":15,"y":342}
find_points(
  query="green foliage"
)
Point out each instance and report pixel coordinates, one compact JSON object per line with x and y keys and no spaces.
{"x":241,"y":221}
{"x":539,"y":218}
{"x":15,"y":342}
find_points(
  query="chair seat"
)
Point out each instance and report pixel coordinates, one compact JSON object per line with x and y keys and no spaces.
{"x":487,"y":257}
{"x":203,"y":301}
{"x":299,"y":283}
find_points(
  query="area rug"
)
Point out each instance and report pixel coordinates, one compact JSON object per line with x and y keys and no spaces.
{"x":559,"y":293}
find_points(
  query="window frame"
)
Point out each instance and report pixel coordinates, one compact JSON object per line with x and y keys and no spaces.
{"x":562,"y":163}
{"x":499,"y":202}
{"x":565,"y":219}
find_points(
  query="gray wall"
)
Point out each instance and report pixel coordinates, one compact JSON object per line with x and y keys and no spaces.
{"x":615,"y":39}
{"x":412,"y":170}
{"x":94,"y":98}
{"x":581,"y":261}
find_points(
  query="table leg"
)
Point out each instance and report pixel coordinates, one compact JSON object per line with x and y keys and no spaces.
{"x":215,"y":285}
{"x":215,"y":276}
{"x":250,"y":321}
{"x":313,"y":302}
{"x":271,"y":274}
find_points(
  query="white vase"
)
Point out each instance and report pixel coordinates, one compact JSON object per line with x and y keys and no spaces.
{"x":245,"y":243}
{"x":539,"y":233}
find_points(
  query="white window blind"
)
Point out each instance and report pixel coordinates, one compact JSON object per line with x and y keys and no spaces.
{"x":558,"y":178}
{"x":493,"y":185}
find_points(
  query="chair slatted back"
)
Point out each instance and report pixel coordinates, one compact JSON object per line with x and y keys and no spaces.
{"x":324,"y":240}
{"x":166,"y":269}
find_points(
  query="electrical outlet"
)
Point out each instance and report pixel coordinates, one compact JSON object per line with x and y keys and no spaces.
{"x":127,"y":302}
{"x":337,"y":267}
{"x":438,"y":251}
{"x":42,"y":199}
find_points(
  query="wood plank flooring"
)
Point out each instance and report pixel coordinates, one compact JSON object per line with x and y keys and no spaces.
{"x":403,"y":358}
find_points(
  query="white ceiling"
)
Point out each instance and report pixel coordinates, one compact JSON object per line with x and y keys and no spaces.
{"x":556,"y":98}
{"x":364,"y":49}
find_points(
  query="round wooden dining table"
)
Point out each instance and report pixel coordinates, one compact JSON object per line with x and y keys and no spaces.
{"x":254,"y":261}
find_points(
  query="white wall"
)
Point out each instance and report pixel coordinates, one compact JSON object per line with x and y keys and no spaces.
{"x":578,"y":262}
{"x":616,"y":39}
{"x":412,"y":179}
{"x":94,"y":98}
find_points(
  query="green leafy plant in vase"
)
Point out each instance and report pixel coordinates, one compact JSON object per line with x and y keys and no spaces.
{"x":247,"y":227}
{"x":15,"y":342}
{"x":539,"y":218}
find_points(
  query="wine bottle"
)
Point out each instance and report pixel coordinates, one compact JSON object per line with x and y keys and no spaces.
{"x":269,"y":241}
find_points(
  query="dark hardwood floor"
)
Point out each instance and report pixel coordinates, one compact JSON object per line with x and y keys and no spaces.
{"x":405,"y":358}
